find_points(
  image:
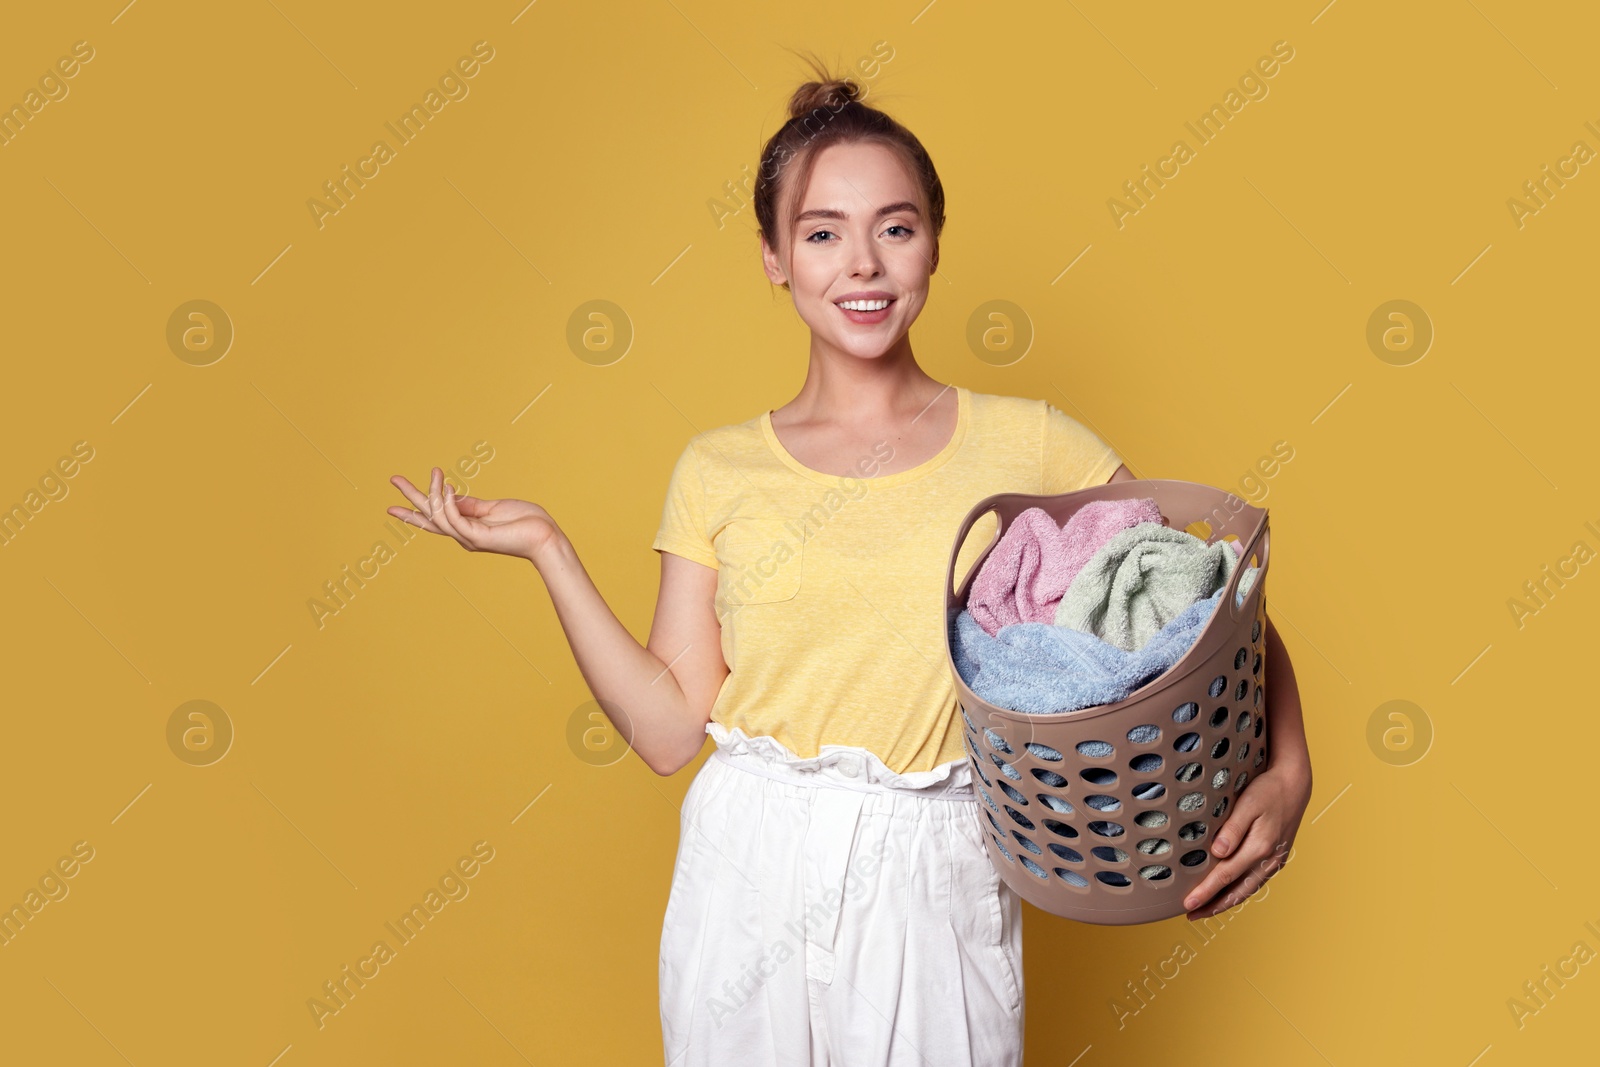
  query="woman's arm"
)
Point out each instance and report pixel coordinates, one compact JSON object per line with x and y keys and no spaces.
{"x":1285,"y":724}
{"x":658,"y":695}
{"x":1258,"y":834}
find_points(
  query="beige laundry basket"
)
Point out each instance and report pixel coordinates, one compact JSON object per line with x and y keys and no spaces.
{"x":1185,"y":743}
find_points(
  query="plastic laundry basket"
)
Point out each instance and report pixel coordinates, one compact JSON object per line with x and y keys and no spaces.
{"x":1106,"y":814}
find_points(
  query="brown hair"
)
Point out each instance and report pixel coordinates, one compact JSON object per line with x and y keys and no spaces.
{"x":825,"y":112}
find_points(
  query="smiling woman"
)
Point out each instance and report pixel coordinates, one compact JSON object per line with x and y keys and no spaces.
{"x":834,"y":732}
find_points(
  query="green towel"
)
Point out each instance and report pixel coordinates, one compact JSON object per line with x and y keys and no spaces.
{"x":1142,"y":579}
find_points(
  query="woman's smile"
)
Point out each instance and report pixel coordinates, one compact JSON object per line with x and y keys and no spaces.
{"x":865,"y":308}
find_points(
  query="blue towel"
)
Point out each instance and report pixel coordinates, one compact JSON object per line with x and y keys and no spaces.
{"x":1039,"y":668}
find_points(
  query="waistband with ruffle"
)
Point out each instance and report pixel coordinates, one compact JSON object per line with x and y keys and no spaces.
{"x":839,"y":766}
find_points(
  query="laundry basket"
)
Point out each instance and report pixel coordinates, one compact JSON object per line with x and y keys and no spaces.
{"x":1106,"y":814}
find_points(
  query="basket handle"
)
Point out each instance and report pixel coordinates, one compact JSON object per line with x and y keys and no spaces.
{"x":1259,"y":538}
{"x":979,"y":510}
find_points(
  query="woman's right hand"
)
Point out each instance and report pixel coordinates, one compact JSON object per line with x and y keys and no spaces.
{"x":510,"y":527}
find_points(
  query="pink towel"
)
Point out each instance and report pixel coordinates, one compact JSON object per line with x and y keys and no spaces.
{"x":1096,"y":523}
{"x":1028,"y":573}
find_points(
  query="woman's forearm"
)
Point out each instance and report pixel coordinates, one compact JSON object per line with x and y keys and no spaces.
{"x":655,"y":719}
{"x":1285,"y":724}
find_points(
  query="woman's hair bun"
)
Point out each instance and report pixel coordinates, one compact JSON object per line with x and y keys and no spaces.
{"x":832,"y":94}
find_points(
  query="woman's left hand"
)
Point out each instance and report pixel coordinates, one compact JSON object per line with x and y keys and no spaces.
{"x":1255,"y":839}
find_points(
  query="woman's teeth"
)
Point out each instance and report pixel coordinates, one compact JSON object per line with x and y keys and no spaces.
{"x":864,"y":305}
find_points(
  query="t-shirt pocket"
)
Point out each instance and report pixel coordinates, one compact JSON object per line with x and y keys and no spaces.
{"x":761,"y":562}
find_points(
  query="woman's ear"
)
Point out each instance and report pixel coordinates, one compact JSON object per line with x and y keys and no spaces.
{"x":775,"y":272}
{"x":769,"y":262}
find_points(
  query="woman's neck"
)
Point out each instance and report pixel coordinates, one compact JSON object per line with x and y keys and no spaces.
{"x":850,"y":391}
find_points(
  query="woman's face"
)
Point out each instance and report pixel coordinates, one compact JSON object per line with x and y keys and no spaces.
{"x":860,"y":234}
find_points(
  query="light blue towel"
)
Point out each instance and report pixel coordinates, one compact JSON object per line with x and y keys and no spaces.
{"x":1038,"y":668}
{"x":1141,"y":580}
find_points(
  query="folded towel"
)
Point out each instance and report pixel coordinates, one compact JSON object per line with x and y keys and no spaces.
{"x":1096,"y":523}
{"x":1032,"y":566}
{"x":1141,"y":580}
{"x":1024,"y":577}
{"x":1040,"y":668}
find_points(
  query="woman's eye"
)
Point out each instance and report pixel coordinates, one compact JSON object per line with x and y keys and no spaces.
{"x":906,"y":231}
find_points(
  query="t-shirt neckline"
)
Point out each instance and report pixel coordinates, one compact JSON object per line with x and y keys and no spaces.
{"x":928,"y":466}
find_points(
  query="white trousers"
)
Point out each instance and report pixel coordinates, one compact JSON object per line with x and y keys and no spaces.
{"x":828,"y":911}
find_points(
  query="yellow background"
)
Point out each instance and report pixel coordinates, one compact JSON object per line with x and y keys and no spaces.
{"x":370,"y":753}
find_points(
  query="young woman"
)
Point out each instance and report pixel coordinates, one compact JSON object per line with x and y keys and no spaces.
{"x":831,"y":901}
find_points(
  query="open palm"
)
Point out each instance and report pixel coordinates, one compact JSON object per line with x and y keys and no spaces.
{"x":510,"y":527}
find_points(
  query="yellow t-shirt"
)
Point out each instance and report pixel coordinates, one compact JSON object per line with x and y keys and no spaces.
{"x":828,"y":587}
